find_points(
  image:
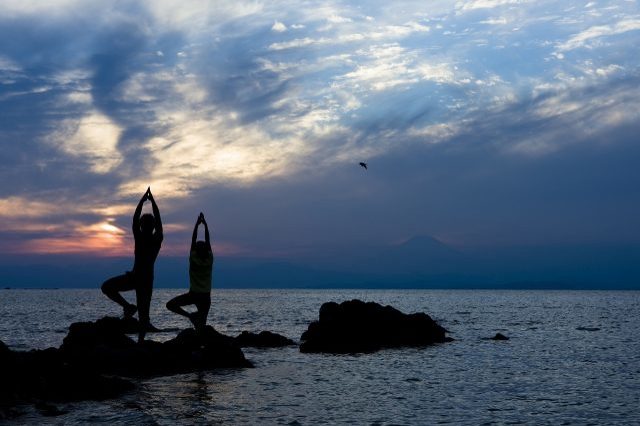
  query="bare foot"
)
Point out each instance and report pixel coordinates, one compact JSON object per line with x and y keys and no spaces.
{"x":194,"y":320}
{"x":130,"y":310}
{"x":151,"y":327}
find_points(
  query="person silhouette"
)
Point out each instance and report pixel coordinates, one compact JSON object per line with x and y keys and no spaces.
{"x":140,"y":278}
{"x":200,"y":271}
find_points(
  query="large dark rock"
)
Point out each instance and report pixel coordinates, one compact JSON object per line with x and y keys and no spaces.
{"x":264,"y":339}
{"x":93,"y":354}
{"x":102,"y":346}
{"x":4,"y":350}
{"x":355,"y":326}
{"x":47,"y":375}
{"x":499,"y":336}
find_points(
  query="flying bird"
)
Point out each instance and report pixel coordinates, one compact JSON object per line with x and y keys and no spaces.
{"x":363,"y":164}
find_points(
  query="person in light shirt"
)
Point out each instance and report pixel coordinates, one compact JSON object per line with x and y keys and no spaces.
{"x":200,"y":275}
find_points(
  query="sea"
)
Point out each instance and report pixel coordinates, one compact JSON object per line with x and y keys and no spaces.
{"x":573,"y":358}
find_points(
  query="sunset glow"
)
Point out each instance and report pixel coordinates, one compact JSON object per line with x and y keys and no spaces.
{"x":482,"y":121}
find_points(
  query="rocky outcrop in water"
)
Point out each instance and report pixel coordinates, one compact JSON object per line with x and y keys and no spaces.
{"x":264,"y":339}
{"x":499,"y":336}
{"x":94,"y":357}
{"x":39,"y":375}
{"x":102,"y":346}
{"x":355,"y":326}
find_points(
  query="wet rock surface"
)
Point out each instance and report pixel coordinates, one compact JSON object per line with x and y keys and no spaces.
{"x":264,"y":339}
{"x":96,"y":358}
{"x":46,"y":375}
{"x":499,"y":336}
{"x":102,"y":346}
{"x":355,"y":326}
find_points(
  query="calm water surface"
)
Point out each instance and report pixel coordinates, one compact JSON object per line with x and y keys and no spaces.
{"x":573,"y":358}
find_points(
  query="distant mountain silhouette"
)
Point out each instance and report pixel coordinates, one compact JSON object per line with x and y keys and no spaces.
{"x":421,"y":254}
{"x":425,"y":243}
{"x":419,"y":262}
{"x":418,"y":254}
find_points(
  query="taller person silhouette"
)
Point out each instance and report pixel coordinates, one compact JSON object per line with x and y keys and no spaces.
{"x":147,"y":232}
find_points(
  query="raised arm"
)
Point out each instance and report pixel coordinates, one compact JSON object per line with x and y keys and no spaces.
{"x":201,"y":220}
{"x":156,"y":215}
{"x":206,"y":233}
{"x":135,"y":225}
{"x":194,"y":237}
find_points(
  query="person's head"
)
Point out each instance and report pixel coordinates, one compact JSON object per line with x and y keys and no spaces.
{"x":202,"y":250}
{"x":147,"y":223}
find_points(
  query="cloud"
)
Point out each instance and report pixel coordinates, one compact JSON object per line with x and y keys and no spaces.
{"x":583,"y":38}
{"x":99,"y":101}
{"x":554,"y":119}
{"x":16,"y":207}
{"x":378,"y":33}
{"x":103,"y":239}
{"x":336,"y":19}
{"x":299,"y":42}
{"x":278,"y":27}
{"x":486,"y":4}
{"x":385,"y":67}
{"x":94,"y":138}
{"x":495,"y":21}
{"x":8,"y":66}
{"x":209,"y":150}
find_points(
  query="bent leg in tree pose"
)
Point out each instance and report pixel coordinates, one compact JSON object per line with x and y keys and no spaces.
{"x":147,"y":232}
{"x":200,"y":277}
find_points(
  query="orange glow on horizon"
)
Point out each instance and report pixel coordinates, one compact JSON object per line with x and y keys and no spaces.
{"x":101,"y":238}
{"x":104,"y":239}
{"x":105,"y":245}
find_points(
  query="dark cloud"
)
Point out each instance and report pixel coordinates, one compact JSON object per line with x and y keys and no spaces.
{"x":104,"y":55}
{"x":471,"y":189}
{"x":235,"y":79}
{"x":544,"y":153}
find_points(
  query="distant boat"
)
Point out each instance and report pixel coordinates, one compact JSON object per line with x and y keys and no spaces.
{"x":363,"y":164}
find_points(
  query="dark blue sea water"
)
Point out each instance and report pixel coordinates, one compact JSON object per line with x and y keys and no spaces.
{"x":573,"y":358}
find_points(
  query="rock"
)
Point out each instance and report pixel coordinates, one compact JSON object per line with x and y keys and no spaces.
{"x":49,"y":410}
{"x":588,"y":328}
{"x":92,"y":352}
{"x":112,"y":325}
{"x":355,"y":326}
{"x":4,"y":349}
{"x":7,"y":413}
{"x":265,"y":339}
{"x":5,"y":353}
{"x":46,"y":375}
{"x":103,"y":347}
{"x":107,"y":331}
{"x":499,"y":336}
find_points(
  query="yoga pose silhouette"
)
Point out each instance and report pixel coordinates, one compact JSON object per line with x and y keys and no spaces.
{"x":140,"y":278}
{"x":200,"y":269}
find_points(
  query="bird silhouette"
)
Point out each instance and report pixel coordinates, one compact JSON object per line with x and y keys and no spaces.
{"x":363,"y":164}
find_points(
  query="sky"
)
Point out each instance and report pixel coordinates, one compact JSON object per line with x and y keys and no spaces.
{"x":484,"y":123}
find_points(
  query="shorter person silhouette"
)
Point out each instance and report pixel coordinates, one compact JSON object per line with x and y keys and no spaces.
{"x":200,"y":269}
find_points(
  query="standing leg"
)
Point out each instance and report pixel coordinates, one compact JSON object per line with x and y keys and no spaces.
{"x":203,"y":303}
{"x":112,"y":288}
{"x":144,"y":291}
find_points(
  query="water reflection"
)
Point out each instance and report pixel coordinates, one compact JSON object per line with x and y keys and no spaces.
{"x":549,"y":372}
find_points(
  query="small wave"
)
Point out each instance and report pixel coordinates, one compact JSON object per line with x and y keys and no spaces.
{"x":170,"y":330}
{"x":588,"y":328}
